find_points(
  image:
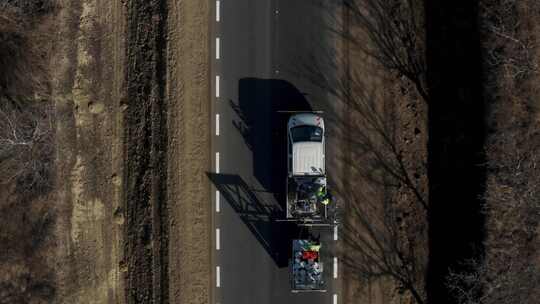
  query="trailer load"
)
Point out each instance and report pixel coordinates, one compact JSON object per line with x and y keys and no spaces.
{"x":307,"y":266}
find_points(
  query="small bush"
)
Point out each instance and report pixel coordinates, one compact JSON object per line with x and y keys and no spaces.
{"x":26,"y":113}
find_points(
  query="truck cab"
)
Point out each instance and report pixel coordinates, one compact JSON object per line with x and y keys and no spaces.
{"x":305,"y":145}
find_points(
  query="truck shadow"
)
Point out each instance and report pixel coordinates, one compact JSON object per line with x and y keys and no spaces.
{"x":258,"y":216}
{"x":263,"y":127}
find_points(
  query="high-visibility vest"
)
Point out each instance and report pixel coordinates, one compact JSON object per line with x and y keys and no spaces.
{"x":314,"y":247}
{"x":321,"y":191}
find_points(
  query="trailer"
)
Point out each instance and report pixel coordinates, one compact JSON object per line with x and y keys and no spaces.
{"x":307,"y":267}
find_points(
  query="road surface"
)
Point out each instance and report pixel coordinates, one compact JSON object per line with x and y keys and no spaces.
{"x":262,"y":51}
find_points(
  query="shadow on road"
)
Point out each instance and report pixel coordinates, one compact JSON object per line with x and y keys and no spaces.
{"x":263,"y":127}
{"x":258,"y":216}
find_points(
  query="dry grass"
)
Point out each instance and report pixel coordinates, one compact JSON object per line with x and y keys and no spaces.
{"x":26,"y":113}
{"x":22,"y":52}
{"x":510,"y":272}
{"x":26,"y":156}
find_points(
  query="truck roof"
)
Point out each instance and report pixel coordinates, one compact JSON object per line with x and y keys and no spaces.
{"x":308,"y":158}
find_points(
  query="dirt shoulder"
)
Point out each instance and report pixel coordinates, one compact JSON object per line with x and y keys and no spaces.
{"x":189,"y":152}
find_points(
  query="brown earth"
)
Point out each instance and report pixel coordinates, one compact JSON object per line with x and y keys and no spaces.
{"x":127,"y":78}
{"x":188,"y":94}
{"x":384,"y":145}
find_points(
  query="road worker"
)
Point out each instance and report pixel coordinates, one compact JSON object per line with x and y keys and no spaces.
{"x":315,"y":247}
{"x":323,"y":196}
{"x":325,"y":201}
{"x":322,"y":191}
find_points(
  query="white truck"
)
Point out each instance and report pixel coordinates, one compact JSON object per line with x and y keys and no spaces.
{"x":308,"y":200}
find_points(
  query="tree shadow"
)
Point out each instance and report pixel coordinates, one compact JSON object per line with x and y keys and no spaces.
{"x":258,"y":216}
{"x":377,"y":175}
{"x":263,"y":127}
{"x":457,"y":174}
{"x":389,"y":33}
{"x":382,"y":188}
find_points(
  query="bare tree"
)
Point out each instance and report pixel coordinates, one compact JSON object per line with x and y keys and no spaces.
{"x":21,"y":52}
{"x":395,"y":32}
{"x":377,"y":229}
{"x":26,"y":112}
{"x":375,"y":128}
{"x":26,"y":144}
{"x":515,"y":283}
{"x":508,"y":273}
{"x":376,"y":243}
{"x":507,"y":49}
{"x":375,"y":247}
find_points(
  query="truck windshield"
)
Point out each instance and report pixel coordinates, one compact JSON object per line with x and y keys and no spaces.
{"x":306,"y":133}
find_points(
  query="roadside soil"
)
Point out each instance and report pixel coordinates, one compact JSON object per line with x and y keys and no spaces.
{"x":190,"y":274}
{"x":128,"y":218}
{"x":380,"y":214}
{"x":371,"y":197}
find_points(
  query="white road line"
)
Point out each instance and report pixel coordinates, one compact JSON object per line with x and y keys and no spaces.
{"x":218,"y":6}
{"x":218,"y":241}
{"x":217,"y":201}
{"x":335,"y":233}
{"x":218,"y":274}
{"x":217,"y":85}
{"x":217,"y":124}
{"x":217,"y":48}
{"x":335,"y":298}
{"x":218,"y":277}
{"x":217,"y":162}
{"x":335,"y":267}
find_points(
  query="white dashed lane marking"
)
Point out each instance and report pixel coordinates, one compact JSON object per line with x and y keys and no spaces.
{"x":335,"y":267}
{"x":218,"y":13}
{"x":218,"y":244}
{"x":217,"y":48}
{"x":218,"y":277}
{"x":217,"y":162}
{"x":217,"y":86}
{"x":335,"y":298}
{"x":218,"y":234}
{"x":335,"y":233}
{"x":217,"y":201}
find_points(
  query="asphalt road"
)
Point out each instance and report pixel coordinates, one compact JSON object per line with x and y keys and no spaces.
{"x":266,"y":49}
